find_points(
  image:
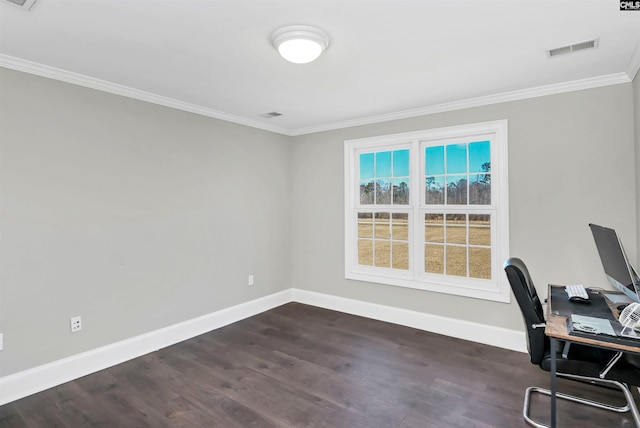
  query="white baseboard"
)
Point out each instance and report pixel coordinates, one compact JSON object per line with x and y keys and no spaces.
{"x":31,"y":381}
{"x":475,"y":332}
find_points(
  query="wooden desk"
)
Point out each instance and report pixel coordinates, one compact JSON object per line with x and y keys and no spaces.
{"x":556,"y":329}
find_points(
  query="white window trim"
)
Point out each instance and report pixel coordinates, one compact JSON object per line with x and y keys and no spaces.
{"x":496,"y":289}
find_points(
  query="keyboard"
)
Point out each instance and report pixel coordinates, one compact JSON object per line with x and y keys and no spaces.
{"x":576,"y":290}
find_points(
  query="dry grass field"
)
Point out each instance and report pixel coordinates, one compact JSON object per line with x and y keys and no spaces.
{"x":450,"y":246}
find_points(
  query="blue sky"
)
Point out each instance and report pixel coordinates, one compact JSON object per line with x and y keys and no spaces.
{"x":385,"y":164}
{"x":396,"y":163}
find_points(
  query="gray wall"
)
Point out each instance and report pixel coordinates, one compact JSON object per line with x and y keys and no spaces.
{"x":137,"y":216}
{"x":132,"y":215}
{"x":570,"y":163}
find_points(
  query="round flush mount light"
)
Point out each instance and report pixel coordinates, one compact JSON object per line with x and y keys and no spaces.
{"x":300,"y":44}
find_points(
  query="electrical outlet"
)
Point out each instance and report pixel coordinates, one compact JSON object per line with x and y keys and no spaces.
{"x":250,"y":279}
{"x":1,"y":342}
{"x":76,"y":324}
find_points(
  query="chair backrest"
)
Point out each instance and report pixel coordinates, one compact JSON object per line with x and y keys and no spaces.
{"x":530,"y":306}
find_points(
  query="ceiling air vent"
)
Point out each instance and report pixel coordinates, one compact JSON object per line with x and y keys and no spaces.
{"x":23,"y":4}
{"x":589,"y":44}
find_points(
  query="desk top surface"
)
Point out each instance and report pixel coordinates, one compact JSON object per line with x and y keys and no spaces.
{"x":557,"y":321}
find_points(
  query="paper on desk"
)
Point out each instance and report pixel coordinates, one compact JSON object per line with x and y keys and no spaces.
{"x":618,"y":298}
{"x":592,"y":325}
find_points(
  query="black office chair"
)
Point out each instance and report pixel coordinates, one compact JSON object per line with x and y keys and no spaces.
{"x":581,"y":363}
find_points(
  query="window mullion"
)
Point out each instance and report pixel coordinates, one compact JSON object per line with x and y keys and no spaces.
{"x":416,"y":191}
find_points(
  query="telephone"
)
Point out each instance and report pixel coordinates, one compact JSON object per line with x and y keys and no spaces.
{"x":630,"y":317}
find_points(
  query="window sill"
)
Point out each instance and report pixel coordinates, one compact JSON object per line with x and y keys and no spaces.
{"x":489,"y":291}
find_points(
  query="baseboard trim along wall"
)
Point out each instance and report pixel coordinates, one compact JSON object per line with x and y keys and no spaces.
{"x":31,"y":381}
{"x":25,"y":383}
{"x":474,"y":332}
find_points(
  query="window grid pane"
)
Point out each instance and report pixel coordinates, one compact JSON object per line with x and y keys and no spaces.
{"x":383,"y":239}
{"x":367,"y":194}
{"x":480,"y":229}
{"x":434,"y":190}
{"x":467,"y":244}
{"x":434,"y":258}
{"x":385,"y":177}
{"x":456,"y":260}
{"x":400,"y":226}
{"x":365,"y":252}
{"x":382,"y":251}
{"x":458,"y":174}
{"x":480,"y":262}
{"x":400,"y":255}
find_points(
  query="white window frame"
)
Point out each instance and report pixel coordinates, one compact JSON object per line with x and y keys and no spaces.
{"x":496,"y":289}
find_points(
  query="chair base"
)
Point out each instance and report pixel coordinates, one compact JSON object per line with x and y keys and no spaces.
{"x":631,"y":406}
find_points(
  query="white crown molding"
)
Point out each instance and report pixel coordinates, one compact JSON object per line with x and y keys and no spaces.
{"x":125,"y":91}
{"x":540,"y":91}
{"x":31,"y":381}
{"x":102,"y":85}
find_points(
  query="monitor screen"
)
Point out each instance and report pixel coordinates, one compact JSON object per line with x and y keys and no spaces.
{"x":614,"y":261}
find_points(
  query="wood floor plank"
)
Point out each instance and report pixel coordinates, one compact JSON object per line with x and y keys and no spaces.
{"x":253,"y":389}
{"x":302,"y":366}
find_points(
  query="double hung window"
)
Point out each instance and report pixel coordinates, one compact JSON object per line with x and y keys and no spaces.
{"x":429,"y":210}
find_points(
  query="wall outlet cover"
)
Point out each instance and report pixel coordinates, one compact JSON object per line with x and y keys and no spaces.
{"x":76,"y":324}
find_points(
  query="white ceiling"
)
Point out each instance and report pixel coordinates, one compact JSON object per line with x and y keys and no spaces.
{"x":386,"y":59}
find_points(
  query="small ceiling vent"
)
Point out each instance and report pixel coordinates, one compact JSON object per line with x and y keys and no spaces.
{"x":23,"y":4}
{"x":589,"y":44}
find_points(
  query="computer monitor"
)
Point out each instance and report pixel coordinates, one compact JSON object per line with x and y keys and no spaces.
{"x":616,"y":266}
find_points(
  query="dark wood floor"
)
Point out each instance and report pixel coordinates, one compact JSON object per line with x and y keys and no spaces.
{"x":301,"y":366}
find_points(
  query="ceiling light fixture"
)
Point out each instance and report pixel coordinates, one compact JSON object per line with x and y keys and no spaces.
{"x":300,"y":44}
